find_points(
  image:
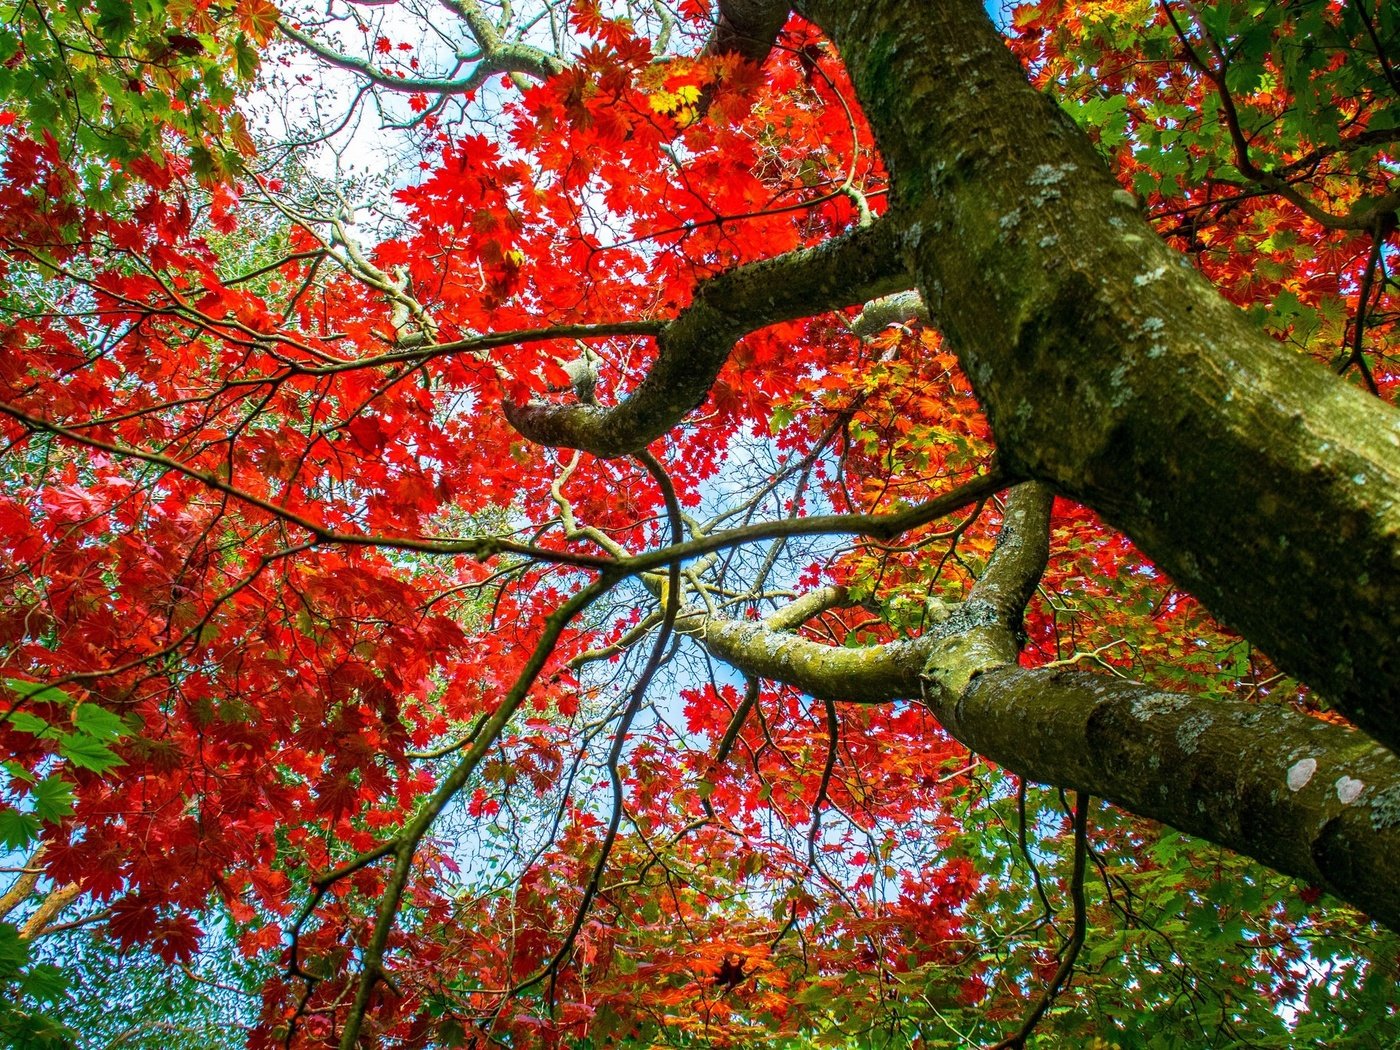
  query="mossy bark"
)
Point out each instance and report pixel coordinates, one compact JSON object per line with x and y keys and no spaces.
{"x":1110,"y":368}
{"x":1309,"y":798}
{"x":1113,"y":371}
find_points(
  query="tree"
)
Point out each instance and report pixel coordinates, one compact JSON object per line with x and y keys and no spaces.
{"x":592,"y":605}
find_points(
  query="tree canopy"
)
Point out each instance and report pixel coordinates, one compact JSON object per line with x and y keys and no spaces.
{"x":572,"y":523}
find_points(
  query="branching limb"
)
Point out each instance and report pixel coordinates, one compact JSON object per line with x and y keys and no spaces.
{"x":1363,"y":215}
{"x":572,"y":529}
{"x":1357,"y":357}
{"x":614,"y":760}
{"x":494,"y":55}
{"x":484,"y":547}
{"x":1311,"y":799}
{"x":504,"y":55}
{"x":1111,"y":369}
{"x":363,"y":68}
{"x":407,"y":842}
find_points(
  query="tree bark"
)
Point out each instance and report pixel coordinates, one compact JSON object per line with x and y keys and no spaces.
{"x":747,"y":28}
{"x":1114,"y":372}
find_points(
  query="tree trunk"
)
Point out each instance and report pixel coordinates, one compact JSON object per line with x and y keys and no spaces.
{"x":1263,"y":484}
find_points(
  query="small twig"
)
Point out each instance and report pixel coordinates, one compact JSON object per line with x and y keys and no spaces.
{"x":820,"y":800}
{"x":1093,"y":654}
{"x":1026,"y":852}
{"x":731,"y":732}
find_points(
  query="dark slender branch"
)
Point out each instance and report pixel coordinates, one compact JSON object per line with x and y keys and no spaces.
{"x":1025,"y":849}
{"x":452,"y":783}
{"x":634,"y":702}
{"x":315,"y":253}
{"x":1363,"y":214}
{"x":1363,"y":303}
{"x":736,"y":723}
{"x":876,"y":526}
{"x":1386,"y":68}
{"x":1070,"y":951}
{"x":421,"y":355}
{"x":481,"y":547}
{"x":828,"y":767}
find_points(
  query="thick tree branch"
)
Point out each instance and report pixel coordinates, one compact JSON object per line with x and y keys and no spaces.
{"x":692,"y":348}
{"x":1263,"y":484}
{"x":1309,"y":798}
{"x":875,"y":674}
{"x":58,"y":898}
{"x":504,"y":54}
{"x":1314,"y":800}
{"x":811,"y":604}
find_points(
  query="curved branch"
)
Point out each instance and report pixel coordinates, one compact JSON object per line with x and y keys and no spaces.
{"x":691,"y":349}
{"x":619,"y":742}
{"x":1071,"y":948}
{"x":874,"y":674}
{"x":897,"y":309}
{"x":1364,"y":214}
{"x":363,"y":68}
{"x":1311,"y":799}
{"x":513,"y":57}
{"x":496,"y":56}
